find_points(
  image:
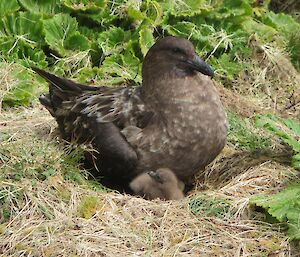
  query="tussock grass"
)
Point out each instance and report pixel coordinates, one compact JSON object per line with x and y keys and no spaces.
{"x":271,"y":80}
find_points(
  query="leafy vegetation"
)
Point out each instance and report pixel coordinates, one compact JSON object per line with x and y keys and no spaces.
{"x":106,"y":40}
{"x":287,"y":130}
{"x":284,"y":206}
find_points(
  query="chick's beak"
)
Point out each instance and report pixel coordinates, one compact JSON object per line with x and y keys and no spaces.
{"x":199,"y":65}
{"x":155,"y":176}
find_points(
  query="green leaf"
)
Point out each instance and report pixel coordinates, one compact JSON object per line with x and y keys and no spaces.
{"x":184,"y":29}
{"x":91,"y":33}
{"x":285,"y":207}
{"x":134,"y":14}
{"x":23,"y":52}
{"x":225,"y":65}
{"x":281,"y":22}
{"x":263,"y":31}
{"x":186,"y":8}
{"x":103,"y":18}
{"x":77,"y":42}
{"x":146,"y":39}
{"x":7,"y":7}
{"x":276,"y":126}
{"x":242,"y":134}
{"x":154,"y":13}
{"x":85,"y":5}
{"x":126,"y":66}
{"x":58,"y":31}
{"x":113,"y":40}
{"x":23,"y":26}
{"x":41,"y":6}
{"x":132,"y":64}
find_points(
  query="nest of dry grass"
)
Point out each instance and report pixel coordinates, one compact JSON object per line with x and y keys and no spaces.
{"x":123,"y":225}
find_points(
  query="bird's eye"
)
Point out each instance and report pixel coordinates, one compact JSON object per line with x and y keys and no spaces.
{"x":177,"y":50}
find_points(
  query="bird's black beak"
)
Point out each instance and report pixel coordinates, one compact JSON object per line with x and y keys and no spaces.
{"x":155,"y":176}
{"x":199,"y":65}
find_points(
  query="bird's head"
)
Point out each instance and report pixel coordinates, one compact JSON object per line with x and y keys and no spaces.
{"x":163,"y":176}
{"x":177,"y":55}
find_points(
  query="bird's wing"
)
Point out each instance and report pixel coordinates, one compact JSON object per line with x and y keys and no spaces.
{"x":122,"y":105}
{"x":97,"y":115}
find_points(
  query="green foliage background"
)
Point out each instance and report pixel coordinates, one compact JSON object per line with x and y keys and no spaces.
{"x":105,"y":41}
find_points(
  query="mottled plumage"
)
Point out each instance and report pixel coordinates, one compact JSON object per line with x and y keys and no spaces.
{"x":174,"y":119}
{"x":161,"y":184}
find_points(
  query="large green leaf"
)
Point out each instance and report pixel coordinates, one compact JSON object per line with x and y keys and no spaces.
{"x":23,"y":26}
{"x":20,"y":51}
{"x":21,"y":39}
{"x":146,"y":39}
{"x":285,"y":207}
{"x":61,"y":34}
{"x":126,"y":66}
{"x":77,"y":42}
{"x":7,"y":7}
{"x":113,"y":40}
{"x":41,"y":6}
{"x":263,"y":31}
{"x":281,"y":22}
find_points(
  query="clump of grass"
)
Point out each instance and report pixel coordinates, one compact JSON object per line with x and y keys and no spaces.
{"x":88,"y":207}
{"x":11,"y":200}
{"x":205,"y":205}
{"x":24,"y":154}
{"x":294,"y":49}
{"x":243,"y":135}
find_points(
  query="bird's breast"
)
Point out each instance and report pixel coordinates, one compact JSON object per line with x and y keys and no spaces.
{"x":193,"y":125}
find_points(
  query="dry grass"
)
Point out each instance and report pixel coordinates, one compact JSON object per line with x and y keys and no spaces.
{"x":54,"y":217}
{"x":272,"y":84}
{"x":127,"y":226}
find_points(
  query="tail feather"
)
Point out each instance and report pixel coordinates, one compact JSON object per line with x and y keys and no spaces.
{"x":60,"y":90}
{"x":60,"y":84}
